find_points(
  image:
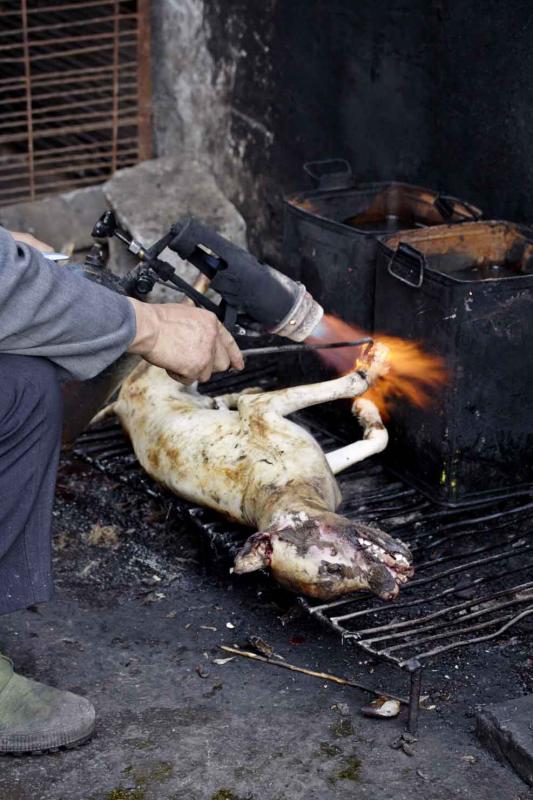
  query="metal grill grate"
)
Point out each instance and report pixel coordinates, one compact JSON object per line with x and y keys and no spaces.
{"x":474,"y":566}
{"x":74,"y":93}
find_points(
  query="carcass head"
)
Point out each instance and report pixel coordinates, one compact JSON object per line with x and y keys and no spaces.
{"x":327,"y":556}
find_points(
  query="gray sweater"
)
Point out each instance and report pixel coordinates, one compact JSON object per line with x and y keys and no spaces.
{"x":47,"y":310}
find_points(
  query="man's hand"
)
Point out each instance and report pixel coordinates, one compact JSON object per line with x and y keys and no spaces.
{"x":188,"y":342}
{"x":27,"y":238}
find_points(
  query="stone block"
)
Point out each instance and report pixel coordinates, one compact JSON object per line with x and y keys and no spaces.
{"x":151,"y":196}
{"x":506,"y":730}
{"x":61,"y":219}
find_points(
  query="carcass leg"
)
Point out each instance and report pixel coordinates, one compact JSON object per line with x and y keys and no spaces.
{"x":231,"y":400}
{"x":375,"y":438}
{"x":294,"y":398}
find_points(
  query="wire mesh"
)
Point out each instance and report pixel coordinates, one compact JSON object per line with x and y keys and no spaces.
{"x":474,"y":566}
{"x":74,"y":93}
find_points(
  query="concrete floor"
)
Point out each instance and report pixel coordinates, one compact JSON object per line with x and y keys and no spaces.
{"x":135,"y":626}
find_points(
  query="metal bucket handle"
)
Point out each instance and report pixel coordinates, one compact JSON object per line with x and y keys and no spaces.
{"x":409,"y":263}
{"x":331,"y":173}
{"x":447,"y":206}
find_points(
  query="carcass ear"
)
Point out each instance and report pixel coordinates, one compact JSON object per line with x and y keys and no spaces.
{"x":255,"y":554}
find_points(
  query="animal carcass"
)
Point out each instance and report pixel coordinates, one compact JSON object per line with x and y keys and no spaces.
{"x":239,"y":454}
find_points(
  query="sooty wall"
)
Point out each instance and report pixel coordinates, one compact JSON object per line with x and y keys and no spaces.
{"x":430,"y":91}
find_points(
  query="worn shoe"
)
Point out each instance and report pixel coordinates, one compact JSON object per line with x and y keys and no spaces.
{"x":35,"y":718}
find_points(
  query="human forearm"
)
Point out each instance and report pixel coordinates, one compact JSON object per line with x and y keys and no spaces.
{"x":49,"y":311}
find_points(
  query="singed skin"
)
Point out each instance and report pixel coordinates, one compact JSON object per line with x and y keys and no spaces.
{"x":250,"y":467}
{"x":240,"y":456}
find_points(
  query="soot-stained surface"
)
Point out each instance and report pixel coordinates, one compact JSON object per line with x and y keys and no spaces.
{"x":136,"y":625}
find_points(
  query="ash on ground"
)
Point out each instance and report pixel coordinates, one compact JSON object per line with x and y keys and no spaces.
{"x":136,"y":625}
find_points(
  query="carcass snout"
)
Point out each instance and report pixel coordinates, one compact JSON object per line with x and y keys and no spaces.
{"x":328,"y":556}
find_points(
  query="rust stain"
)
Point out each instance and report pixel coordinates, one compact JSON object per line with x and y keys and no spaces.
{"x":173,"y":454}
{"x":153,"y":458}
{"x":259,"y":427}
{"x":234,"y":473}
{"x":137,"y":393}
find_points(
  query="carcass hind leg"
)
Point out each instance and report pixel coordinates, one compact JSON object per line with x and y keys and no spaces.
{"x":294,"y":398}
{"x":375,"y":438}
{"x":231,"y":400}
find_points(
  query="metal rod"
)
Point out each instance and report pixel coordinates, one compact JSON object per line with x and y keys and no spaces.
{"x":422,"y":581}
{"x":475,"y":521}
{"x":71,"y":24}
{"x":104,"y":125}
{"x":414,"y":700}
{"x":84,"y":146}
{"x":395,"y":626}
{"x":462,"y":567}
{"x":451,"y":629}
{"x":302,"y":347}
{"x":115,"y":85}
{"x":381,"y":609}
{"x":64,"y":77}
{"x":128,"y":40}
{"x":478,"y":639}
{"x":82,"y":120}
{"x":27,"y":76}
{"x":144,"y":84}
{"x":61,"y":7}
{"x":64,"y":170}
{"x":93,"y":101}
{"x":76,"y":37}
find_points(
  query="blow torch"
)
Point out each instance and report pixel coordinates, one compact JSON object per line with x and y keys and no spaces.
{"x":251,"y":291}
{"x":256,"y":298}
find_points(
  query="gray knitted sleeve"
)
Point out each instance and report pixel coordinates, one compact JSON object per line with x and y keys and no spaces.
{"x":47,"y":310}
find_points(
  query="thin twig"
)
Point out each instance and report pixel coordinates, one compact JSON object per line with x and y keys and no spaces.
{"x":325,"y":676}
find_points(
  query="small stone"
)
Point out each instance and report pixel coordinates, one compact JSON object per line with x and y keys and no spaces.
{"x":396,"y":743}
{"x":382,"y":707}
{"x":342,"y":708}
{"x":203,"y":673}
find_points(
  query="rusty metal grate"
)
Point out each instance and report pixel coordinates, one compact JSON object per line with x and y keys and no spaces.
{"x":474,"y":565}
{"x":74,"y":93}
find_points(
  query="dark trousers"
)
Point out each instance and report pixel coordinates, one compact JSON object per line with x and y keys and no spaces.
{"x":31,"y":409}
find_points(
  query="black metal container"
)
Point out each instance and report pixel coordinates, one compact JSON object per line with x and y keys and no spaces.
{"x":331,"y":234}
{"x":465,"y":293}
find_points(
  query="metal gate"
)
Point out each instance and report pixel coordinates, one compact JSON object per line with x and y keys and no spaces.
{"x":74,"y":93}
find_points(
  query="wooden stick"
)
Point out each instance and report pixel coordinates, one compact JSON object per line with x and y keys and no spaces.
{"x":325,"y":676}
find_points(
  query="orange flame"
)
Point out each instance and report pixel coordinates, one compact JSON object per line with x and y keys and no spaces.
{"x":414,"y":374}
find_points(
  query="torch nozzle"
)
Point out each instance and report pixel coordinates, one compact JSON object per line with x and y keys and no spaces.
{"x":304,"y":316}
